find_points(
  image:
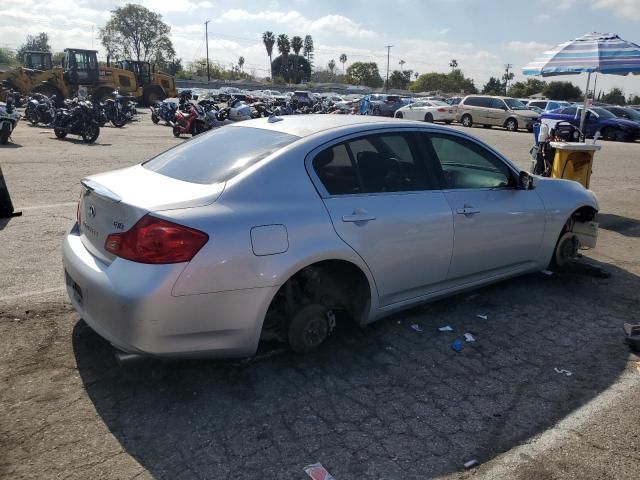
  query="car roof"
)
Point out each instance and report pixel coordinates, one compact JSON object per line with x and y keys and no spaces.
{"x":306,"y":125}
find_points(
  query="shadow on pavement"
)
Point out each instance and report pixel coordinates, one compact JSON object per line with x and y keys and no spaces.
{"x":386,"y":402}
{"x":629,"y":227}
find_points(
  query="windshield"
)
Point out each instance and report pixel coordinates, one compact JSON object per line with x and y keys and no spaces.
{"x":633,"y":114}
{"x":219,"y":155}
{"x":514,"y":104}
{"x":602,"y":113}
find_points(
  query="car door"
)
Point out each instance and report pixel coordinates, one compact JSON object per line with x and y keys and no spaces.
{"x":497,"y":112}
{"x":383,"y":204}
{"x":418,"y":111}
{"x":497,"y":227}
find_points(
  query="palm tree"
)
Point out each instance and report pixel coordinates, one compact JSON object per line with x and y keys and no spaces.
{"x":241,"y":63}
{"x":269,"y":39}
{"x":453,"y":64}
{"x":296,"y":46}
{"x":416,"y":75}
{"x":343,"y":60}
{"x":284,"y":47}
{"x":331,"y":65}
{"x":401,"y":62}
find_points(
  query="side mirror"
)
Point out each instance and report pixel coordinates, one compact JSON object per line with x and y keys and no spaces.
{"x":525,"y":181}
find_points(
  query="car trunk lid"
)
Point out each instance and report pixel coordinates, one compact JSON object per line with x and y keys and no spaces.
{"x":113,"y":202}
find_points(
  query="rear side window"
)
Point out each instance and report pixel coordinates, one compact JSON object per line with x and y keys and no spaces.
{"x":383,"y":163}
{"x":472,"y":101}
{"x":218,"y":155}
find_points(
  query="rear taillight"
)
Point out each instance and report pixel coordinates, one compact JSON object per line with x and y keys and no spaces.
{"x":153,"y":240}
{"x":442,"y":110}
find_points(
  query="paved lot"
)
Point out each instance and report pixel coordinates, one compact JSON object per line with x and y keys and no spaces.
{"x":383,"y":403}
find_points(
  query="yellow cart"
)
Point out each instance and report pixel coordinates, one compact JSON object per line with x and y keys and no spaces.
{"x":573,"y":161}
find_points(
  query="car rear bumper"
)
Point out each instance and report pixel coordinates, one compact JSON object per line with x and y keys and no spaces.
{"x":130,"y":305}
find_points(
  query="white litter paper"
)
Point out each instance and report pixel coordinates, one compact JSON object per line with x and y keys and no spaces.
{"x":469,"y":338}
{"x":446,"y":329}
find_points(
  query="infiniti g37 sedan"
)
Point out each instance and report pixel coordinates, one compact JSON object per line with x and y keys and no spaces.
{"x":274,"y":228}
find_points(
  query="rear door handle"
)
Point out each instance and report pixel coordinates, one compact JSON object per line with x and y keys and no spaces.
{"x":358,"y":217}
{"x":467,"y":211}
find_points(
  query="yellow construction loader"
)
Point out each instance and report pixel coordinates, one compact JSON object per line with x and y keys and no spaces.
{"x":80,"y":69}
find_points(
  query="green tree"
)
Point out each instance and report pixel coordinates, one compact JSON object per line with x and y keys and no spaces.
{"x":400,"y":79}
{"x":634,"y":100}
{"x":331,"y":65}
{"x":37,"y":43}
{"x":138,"y":33}
{"x":287,"y":71}
{"x":7,"y":57}
{"x":57,"y":58}
{"x":269,"y":40}
{"x":453,"y":64}
{"x":343,"y":60}
{"x":363,"y":73}
{"x":492,"y":87}
{"x":296,"y":46}
{"x":241,"y":63}
{"x":615,"y":97}
{"x":526,"y":89}
{"x":452,"y":82}
{"x":562,"y":91}
{"x":308,"y":49}
{"x":284,"y":47}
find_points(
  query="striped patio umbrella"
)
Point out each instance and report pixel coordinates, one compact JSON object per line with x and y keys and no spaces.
{"x":591,"y":53}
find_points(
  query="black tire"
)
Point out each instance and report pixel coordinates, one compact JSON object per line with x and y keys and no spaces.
{"x":154,"y":118}
{"x":466,"y":121}
{"x":59,"y":133}
{"x":448,"y":122}
{"x":428,"y":118}
{"x":376,"y":111}
{"x":309,"y":328}
{"x":120,"y":120}
{"x":487,"y":126}
{"x":511,"y":125}
{"x":609,"y":133}
{"x":152,"y":95}
{"x":91,"y":132}
{"x":399,"y":115}
{"x":564,"y":251}
{"x":33,"y":118}
{"x":176,"y":131}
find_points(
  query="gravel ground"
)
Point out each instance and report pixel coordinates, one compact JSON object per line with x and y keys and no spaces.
{"x":386,"y":402}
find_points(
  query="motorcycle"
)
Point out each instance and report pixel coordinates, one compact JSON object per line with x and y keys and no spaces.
{"x":193,"y":123}
{"x":40,"y":109}
{"x":77,"y":119}
{"x":9,"y":117}
{"x":113,"y":113}
{"x":165,"y":110}
{"x":237,"y":110}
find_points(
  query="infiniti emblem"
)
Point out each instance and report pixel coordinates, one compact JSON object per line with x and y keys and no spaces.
{"x":92,"y":211}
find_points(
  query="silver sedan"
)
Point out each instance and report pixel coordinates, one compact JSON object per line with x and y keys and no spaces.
{"x":269,"y":228}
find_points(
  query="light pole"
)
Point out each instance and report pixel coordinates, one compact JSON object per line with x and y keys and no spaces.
{"x":206,"y":36}
{"x":388,"y":47}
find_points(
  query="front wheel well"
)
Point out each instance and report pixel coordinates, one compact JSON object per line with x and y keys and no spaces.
{"x":339,"y":285}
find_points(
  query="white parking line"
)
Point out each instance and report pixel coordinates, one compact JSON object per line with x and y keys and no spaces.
{"x":44,"y":207}
{"x":32,"y":294}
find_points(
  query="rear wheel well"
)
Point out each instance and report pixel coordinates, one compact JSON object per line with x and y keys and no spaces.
{"x":339,"y":285}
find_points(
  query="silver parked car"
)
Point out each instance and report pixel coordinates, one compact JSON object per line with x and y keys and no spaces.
{"x":490,"y":111}
{"x":266,"y":229}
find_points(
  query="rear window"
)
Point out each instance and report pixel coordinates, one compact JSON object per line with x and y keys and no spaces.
{"x":219,"y":155}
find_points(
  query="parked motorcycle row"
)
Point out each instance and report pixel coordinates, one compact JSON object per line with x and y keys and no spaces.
{"x":191,"y":116}
{"x":79,"y":116}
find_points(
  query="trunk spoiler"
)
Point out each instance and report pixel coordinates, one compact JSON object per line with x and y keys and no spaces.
{"x":100,"y":190}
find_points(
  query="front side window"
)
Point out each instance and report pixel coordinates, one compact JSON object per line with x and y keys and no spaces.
{"x":497,"y":103}
{"x":468,"y":165}
{"x":570,"y":111}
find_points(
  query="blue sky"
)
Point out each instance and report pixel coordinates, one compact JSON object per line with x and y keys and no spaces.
{"x":482,"y":35}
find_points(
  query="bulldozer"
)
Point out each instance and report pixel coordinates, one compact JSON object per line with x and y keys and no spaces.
{"x":80,"y":69}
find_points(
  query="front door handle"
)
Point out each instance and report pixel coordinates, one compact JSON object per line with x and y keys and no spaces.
{"x":358,"y":215}
{"x":467,"y":211}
